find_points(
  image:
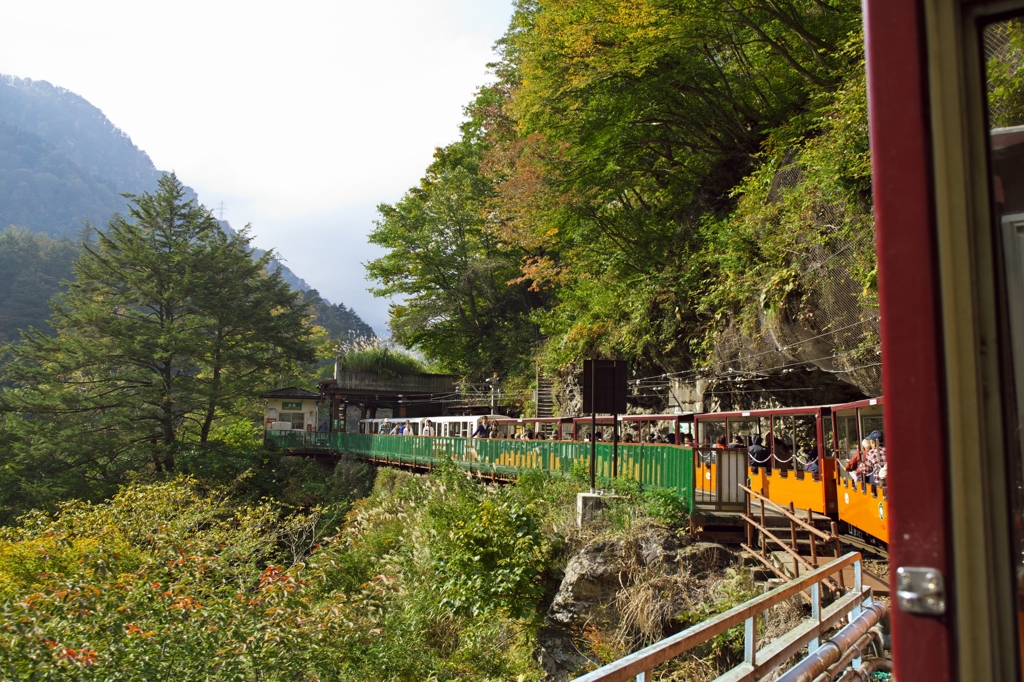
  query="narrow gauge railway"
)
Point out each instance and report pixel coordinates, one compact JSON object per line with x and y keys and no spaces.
{"x":810,"y":457}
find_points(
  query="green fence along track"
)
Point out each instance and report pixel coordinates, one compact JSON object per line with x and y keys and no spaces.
{"x":301,"y":440}
{"x":654,"y":466}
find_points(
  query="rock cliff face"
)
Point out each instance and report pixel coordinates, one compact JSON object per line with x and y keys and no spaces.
{"x":605,"y":579}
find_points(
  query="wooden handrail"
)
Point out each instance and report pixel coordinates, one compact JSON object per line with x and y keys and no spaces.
{"x":645,"y":660}
{"x":791,"y":550}
{"x":789,"y":515}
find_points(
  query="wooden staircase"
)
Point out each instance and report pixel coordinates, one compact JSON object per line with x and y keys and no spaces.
{"x":545,"y":396}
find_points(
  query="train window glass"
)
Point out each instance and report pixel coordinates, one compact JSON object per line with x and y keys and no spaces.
{"x":871,"y":421}
{"x":710,"y":430}
{"x":805,"y":435}
{"x":848,"y":440}
{"x":740,"y":431}
{"x":782,"y":441}
{"x":827,"y":442}
{"x":1003,"y":46}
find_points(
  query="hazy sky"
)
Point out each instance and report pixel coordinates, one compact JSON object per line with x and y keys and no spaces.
{"x":300,"y":116}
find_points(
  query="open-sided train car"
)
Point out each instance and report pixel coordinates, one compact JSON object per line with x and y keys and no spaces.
{"x":792,"y":465}
{"x":452,"y":427}
{"x":863,"y":499}
{"x":535,"y":428}
{"x":636,"y":428}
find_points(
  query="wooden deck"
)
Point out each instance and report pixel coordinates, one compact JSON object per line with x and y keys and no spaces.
{"x":878,"y":584}
{"x":713,"y":525}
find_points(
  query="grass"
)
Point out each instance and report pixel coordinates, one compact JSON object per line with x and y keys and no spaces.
{"x":378,"y":357}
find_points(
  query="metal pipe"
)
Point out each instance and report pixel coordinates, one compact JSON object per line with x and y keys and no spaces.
{"x":853,"y":652}
{"x":869,"y":666}
{"x":831,"y":651}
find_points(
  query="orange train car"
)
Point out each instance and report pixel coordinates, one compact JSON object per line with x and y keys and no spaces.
{"x":796,"y":465}
{"x":863,"y":501}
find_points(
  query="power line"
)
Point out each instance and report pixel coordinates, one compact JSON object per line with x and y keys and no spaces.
{"x":697,"y":372}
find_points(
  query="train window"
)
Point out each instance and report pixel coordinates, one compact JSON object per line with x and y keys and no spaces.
{"x":847,"y":436}
{"x":805,"y":434}
{"x":782,"y":441}
{"x":740,"y":431}
{"x":827,"y":443}
{"x":1003,"y":46}
{"x":710,"y":431}
{"x":871,"y":420}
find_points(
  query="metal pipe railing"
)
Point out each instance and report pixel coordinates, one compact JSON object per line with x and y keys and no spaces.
{"x":842,"y":649}
{"x":756,"y":663}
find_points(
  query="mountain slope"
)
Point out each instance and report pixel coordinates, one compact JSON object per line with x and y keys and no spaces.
{"x":44,"y":189}
{"x":71,"y":124}
{"x":63,"y":164}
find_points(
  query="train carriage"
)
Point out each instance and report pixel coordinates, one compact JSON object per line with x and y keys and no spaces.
{"x":636,"y":428}
{"x":862,"y":498}
{"x":794,"y":467}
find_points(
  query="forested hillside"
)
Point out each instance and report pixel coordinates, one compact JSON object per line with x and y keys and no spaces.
{"x":63,"y":164}
{"x":682,"y":185}
{"x":32,"y":267}
{"x":68,"y":122}
{"x":42,"y":188}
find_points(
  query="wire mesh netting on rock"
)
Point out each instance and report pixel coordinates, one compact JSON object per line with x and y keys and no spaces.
{"x":826,"y":321}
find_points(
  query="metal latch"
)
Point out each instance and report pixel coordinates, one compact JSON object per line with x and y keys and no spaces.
{"x":921,"y":590}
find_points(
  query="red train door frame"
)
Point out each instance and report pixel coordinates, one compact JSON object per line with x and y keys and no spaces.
{"x":944,"y":376}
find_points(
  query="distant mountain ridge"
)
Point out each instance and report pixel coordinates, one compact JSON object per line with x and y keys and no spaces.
{"x":44,"y":189}
{"x":74,"y":126}
{"x":63,"y":164}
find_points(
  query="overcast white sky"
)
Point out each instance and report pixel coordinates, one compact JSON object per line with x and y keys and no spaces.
{"x":300,"y":116}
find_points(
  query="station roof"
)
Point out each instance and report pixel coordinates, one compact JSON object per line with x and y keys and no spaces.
{"x":292,"y":392}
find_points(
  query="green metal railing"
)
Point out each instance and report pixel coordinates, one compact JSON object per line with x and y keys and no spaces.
{"x":657,"y":466}
{"x":300,"y":440}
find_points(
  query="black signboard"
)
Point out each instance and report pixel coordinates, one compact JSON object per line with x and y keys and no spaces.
{"x":604,"y":386}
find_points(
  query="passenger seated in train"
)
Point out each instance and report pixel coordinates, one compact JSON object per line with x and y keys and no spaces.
{"x":407,"y":429}
{"x":670,"y":438}
{"x":385,"y":428}
{"x":428,"y":429}
{"x":687,"y":440}
{"x":495,"y":432}
{"x":720,"y":443}
{"x":628,"y":438}
{"x":528,"y":435}
{"x":758,"y":454}
{"x":811,"y":465}
{"x":737,"y":442}
{"x":864,"y":466}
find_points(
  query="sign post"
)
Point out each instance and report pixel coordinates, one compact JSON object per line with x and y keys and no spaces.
{"x":604,"y":391}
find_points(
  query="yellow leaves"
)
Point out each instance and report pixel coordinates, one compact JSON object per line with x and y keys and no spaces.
{"x":186,"y":604}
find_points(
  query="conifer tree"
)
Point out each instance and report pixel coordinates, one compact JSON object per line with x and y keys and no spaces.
{"x":168,"y":321}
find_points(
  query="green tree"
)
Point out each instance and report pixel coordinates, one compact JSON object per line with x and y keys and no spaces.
{"x":32,"y":267}
{"x":632,"y":124}
{"x":252,"y":325}
{"x":451,"y":272}
{"x":167,"y":322}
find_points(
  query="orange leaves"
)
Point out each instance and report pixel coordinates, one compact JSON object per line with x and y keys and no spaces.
{"x":273,"y":575}
{"x":186,"y":604}
{"x":135,"y":630}
{"x":541,"y":272}
{"x":79,"y":657}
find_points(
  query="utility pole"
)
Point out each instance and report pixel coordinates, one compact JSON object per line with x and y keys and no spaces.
{"x":493,"y":382}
